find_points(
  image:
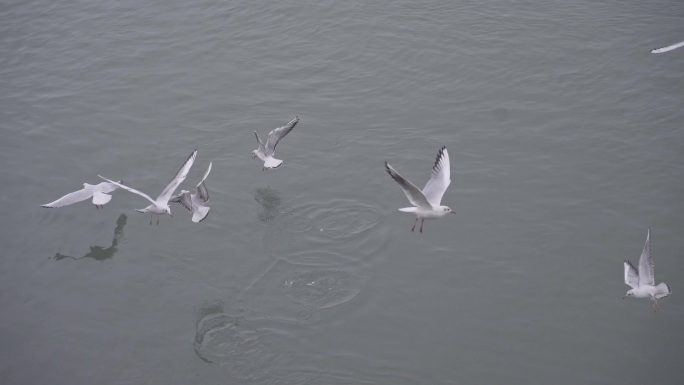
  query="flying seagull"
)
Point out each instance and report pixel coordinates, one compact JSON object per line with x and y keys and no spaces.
{"x":668,"y":48}
{"x":427,"y":202}
{"x":195,"y":202}
{"x":642,"y":280}
{"x":99,"y":192}
{"x":266,"y":152}
{"x":160,"y":206}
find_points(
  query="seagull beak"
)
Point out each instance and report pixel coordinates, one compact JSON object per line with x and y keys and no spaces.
{"x":453,"y":212}
{"x":624,"y":297}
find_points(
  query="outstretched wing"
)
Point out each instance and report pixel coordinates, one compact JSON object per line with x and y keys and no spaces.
{"x":178,"y":179}
{"x":413,"y":193}
{"x":279,"y":133}
{"x":439,"y":179}
{"x":668,"y":48}
{"x":134,"y":191}
{"x":646,"y":267}
{"x":262,"y":148}
{"x":184,"y":199}
{"x":70,"y":198}
{"x":202,"y":191}
{"x":631,"y":275}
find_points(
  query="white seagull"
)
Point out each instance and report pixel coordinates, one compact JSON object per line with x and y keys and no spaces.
{"x":161,"y":205}
{"x":643,"y":280}
{"x":427,"y":202}
{"x":266,"y":152}
{"x":99,"y":192}
{"x":195,"y":202}
{"x":668,"y":48}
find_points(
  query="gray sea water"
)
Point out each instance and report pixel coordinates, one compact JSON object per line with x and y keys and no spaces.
{"x":566,"y":144}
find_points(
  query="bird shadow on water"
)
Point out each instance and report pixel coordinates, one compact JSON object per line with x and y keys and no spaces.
{"x":270,"y":201}
{"x":100,"y":253}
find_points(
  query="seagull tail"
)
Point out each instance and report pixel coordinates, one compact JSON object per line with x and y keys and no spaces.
{"x":409,"y":209}
{"x":271,"y":162}
{"x":662,"y":291}
{"x":200,"y":214}
{"x":101,"y":198}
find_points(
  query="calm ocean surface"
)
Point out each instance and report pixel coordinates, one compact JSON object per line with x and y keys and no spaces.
{"x":566,"y":140}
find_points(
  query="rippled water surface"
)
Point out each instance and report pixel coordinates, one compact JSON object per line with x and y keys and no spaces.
{"x":566,"y":143}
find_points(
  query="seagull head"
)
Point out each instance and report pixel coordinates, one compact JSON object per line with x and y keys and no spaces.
{"x":448,"y":210}
{"x":630,"y":293}
{"x":167,"y":210}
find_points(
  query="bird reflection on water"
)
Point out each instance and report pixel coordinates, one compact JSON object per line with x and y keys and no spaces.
{"x":100,"y":253}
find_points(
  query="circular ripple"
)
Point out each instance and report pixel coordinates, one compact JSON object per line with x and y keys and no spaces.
{"x":230,"y":341}
{"x":316,"y":258}
{"x":296,"y":292}
{"x":347,"y":227}
{"x":322,"y":289}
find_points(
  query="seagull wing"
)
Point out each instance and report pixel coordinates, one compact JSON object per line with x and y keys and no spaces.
{"x":646,"y":266}
{"x":202,"y":191}
{"x":184,"y":199}
{"x":631,"y":275}
{"x":178,"y":179}
{"x":669,"y":47}
{"x":262,"y":148}
{"x":440,"y":179}
{"x":413,"y":193}
{"x":279,"y":133}
{"x":134,"y":191}
{"x":70,"y":198}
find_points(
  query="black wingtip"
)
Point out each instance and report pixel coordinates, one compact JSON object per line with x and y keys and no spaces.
{"x":440,"y":153}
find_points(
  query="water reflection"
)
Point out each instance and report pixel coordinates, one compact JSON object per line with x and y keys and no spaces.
{"x":100,"y":253}
{"x":270,"y":201}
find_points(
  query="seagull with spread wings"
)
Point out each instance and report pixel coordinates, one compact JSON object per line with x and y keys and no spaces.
{"x":99,"y":192}
{"x":195,"y":202}
{"x":265,"y":152}
{"x":427,"y":202}
{"x":160,"y":206}
{"x":642,"y":280}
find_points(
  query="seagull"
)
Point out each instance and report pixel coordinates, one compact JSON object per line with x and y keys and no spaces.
{"x":266,"y":152}
{"x":427,"y":201}
{"x":99,"y":192}
{"x":668,"y":48}
{"x":195,"y":202}
{"x":161,"y":205}
{"x":643,"y":280}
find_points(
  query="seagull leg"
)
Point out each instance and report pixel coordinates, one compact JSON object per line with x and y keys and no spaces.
{"x":421,"y":225}
{"x":150,"y":219}
{"x":157,"y":219}
{"x":414,"y":225}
